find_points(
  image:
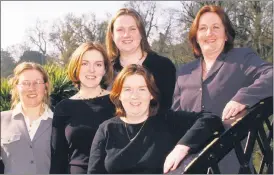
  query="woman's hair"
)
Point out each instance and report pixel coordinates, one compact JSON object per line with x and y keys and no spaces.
{"x":134,"y":69}
{"x":76,"y":62}
{"x":229,"y":31}
{"x":13,"y":81}
{"x":112,"y":50}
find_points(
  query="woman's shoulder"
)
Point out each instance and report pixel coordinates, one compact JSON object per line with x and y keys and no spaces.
{"x":160,"y":59}
{"x":5,"y":115}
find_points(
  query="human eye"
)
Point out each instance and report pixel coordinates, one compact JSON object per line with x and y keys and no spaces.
{"x":202,"y":28}
{"x":39,"y":82}
{"x":99,"y":64}
{"x":216,"y":27}
{"x":126,"y":89}
{"x":84,"y":64}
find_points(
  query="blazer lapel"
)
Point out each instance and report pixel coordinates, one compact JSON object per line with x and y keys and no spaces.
{"x":44,"y":125}
{"x":196,"y":72}
{"x":21,"y":125}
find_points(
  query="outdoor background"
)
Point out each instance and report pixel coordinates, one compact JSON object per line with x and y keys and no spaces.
{"x":47,"y":32}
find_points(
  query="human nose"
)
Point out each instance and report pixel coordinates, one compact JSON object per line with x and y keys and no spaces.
{"x":134,"y":94}
{"x":127,"y":32}
{"x":209,"y":31}
{"x":91,"y":68}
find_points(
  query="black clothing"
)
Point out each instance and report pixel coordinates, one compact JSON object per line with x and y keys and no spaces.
{"x":75,"y":122}
{"x":112,"y":152}
{"x":164,"y":73}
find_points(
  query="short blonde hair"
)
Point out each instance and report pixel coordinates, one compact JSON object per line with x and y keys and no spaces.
{"x":112,"y":49}
{"x":76,"y":60}
{"x":13,"y":81}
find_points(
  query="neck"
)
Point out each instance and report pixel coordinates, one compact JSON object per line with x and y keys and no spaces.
{"x":131,"y":58}
{"x":87,"y":92}
{"x":211,"y":57}
{"x":135,"y":119}
{"x":33,"y":112}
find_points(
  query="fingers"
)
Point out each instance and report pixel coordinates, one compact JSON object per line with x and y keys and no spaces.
{"x":168,"y":164}
{"x":231,"y":109}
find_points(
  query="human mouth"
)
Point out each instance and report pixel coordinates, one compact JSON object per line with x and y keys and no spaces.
{"x":210,"y":40}
{"x":135,"y":104}
{"x":127,"y":41}
{"x":32,"y":95}
{"x":90,"y":77}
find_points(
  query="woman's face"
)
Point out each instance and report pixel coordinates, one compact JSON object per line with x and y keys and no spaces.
{"x":92,"y":69}
{"x":126,"y":34}
{"x":135,"y":96}
{"x":31,"y":88}
{"x":211,"y":35}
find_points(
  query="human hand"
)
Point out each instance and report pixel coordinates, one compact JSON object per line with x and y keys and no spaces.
{"x":175,"y":157}
{"x":231,"y":109}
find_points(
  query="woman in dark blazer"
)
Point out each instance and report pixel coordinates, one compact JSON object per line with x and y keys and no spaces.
{"x":223,"y":80}
{"x":26,"y":128}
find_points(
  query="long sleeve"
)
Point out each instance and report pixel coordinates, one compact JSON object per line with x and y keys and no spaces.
{"x":176,"y":98}
{"x":97,"y":153}
{"x":205,"y":127}
{"x":59,"y":144}
{"x":260,"y":77}
{"x":168,"y":85}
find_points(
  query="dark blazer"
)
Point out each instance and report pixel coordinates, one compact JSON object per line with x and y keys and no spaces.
{"x":239,"y":75}
{"x":20,"y":154}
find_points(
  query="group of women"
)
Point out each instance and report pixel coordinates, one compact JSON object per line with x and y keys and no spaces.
{"x":131,"y":113}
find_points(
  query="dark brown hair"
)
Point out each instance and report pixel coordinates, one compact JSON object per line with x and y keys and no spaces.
{"x":229,"y":31}
{"x":134,"y":69}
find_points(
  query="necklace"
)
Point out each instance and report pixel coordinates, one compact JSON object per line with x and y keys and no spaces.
{"x":137,"y":132}
{"x":81,"y":97}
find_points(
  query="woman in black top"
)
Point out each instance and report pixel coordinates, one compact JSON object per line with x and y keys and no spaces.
{"x":140,"y":138}
{"x":76,"y":119}
{"x":127,"y":44}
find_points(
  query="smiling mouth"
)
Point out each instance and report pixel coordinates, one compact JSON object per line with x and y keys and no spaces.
{"x":32,"y":95}
{"x":135,"y":103}
{"x":90,"y":77}
{"x":210,"y":40}
{"x":127,"y":41}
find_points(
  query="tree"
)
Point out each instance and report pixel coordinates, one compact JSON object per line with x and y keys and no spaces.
{"x":7,"y":63}
{"x":147,"y":10}
{"x":33,"y":56}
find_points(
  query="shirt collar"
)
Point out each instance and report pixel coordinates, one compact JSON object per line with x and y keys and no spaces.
{"x":18,"y":110}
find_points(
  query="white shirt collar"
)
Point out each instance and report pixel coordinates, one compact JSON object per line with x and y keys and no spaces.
{"x":18,"y":110}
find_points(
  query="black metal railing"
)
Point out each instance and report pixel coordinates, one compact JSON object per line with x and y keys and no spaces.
{"x":256,"y":126}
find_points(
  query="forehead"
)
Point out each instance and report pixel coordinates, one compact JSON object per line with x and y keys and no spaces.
{"x":125,"y":20}
{"x":134,"y":80}
{"x":210,"y":18}
{"x":31,"y":74}
{"x":93,"y":56}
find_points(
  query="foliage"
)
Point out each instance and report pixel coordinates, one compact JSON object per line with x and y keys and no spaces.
{"x":62,"y":87}
{"x":7,"y":63}
{"x":5,"y":95}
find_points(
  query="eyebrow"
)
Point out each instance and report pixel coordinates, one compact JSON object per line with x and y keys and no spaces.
{"x":139,"y":87}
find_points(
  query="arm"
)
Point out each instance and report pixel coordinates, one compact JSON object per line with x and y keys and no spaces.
{"x":170,"y":80}
{"x":260,"y":77}
{"x":97,"y":153}
{"x":176,"y":98}
{"x":59,"y":144}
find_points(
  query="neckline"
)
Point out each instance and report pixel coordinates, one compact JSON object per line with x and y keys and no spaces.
{"x":117,"y":65}
{"x":89,"y":99}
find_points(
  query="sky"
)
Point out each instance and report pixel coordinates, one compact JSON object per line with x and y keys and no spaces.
{"x":18,"y":16}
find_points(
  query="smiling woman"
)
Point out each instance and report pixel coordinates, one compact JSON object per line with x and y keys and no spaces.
{"x":26,"y":128}
{"x":76,"y":119}
{"x":140,"y":139}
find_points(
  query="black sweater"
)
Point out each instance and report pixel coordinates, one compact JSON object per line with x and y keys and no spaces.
{"x":164,"y":73}
{"x":112,"y":152}
{"x":75,"y":122}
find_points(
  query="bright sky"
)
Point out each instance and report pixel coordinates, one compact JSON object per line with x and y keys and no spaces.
{"x":17,"y":16}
